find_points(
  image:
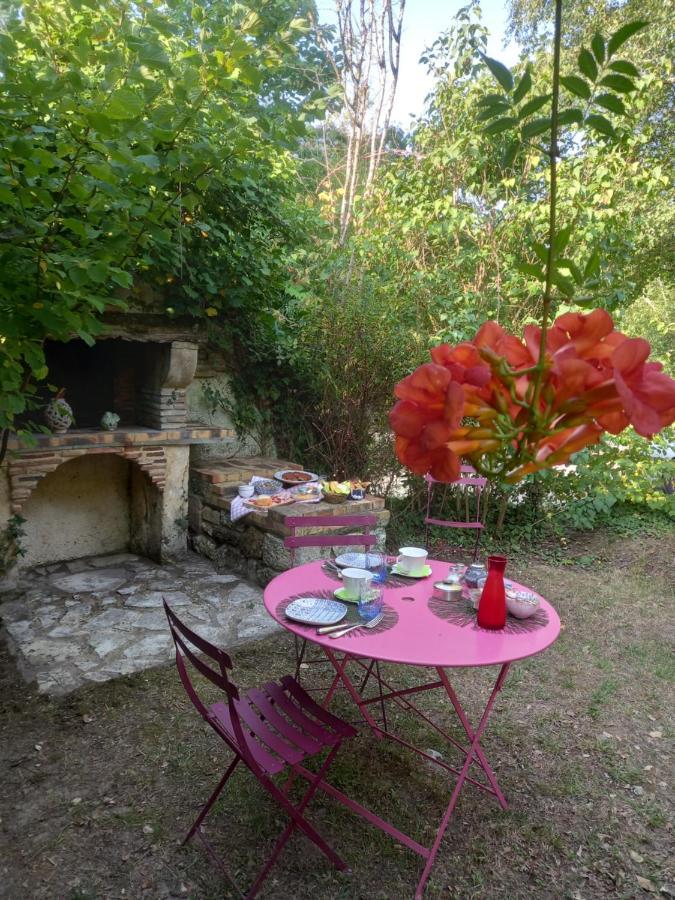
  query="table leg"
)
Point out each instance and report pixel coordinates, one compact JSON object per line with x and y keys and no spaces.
{"x":474,"y":748}
{"x":340,"y":676}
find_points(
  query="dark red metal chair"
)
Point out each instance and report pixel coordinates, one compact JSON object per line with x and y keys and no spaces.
{"x":270,"y":730}
{"x":471,"y":482}
{"x":293,"y":541}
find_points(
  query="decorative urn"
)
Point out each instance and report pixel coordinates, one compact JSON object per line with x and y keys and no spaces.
{"x":59,"y":414}
{"x":109,"y":421}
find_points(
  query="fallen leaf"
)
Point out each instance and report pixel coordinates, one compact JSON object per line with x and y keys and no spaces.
{"x":656,"y":734}
{"x":636,"y":857}
{"x":645,"y":884}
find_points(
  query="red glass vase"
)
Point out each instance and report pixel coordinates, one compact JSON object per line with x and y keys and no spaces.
{"x":492,"y":605}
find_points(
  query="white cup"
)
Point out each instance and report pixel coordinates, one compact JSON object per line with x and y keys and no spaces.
{"x":245,"y":491}
{"x":353,"y":579}
{"x":412,"y":559}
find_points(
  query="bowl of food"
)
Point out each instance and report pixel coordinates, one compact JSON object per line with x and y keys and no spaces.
{"x":336,"y":491}
{"x":267,"y":486}
{"x":294,"y":477}
{"x":522,"y":604}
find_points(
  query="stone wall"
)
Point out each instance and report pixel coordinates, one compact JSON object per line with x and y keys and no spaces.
{"x":208,"y":397}
{"x":253,"y":546}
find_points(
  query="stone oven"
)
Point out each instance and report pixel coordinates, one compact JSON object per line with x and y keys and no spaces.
{"x":89,"y":491}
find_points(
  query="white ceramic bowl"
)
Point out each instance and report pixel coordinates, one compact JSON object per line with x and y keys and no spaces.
{"x":522,"y":604}
{"x":245,"y":491}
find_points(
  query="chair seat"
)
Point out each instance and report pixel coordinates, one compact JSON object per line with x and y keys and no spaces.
{"x":282,"y":724}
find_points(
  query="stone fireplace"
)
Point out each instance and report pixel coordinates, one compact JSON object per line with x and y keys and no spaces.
{"x":90,"y":491}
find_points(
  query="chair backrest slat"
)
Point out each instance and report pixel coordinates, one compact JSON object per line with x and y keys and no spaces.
{"x":182,"y":638}
{"x":359,"y":521}
{"x":330,"y":540}
{"x":363,"y":522}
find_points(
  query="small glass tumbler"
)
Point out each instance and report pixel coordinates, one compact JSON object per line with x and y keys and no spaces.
{"x":371,"y":601}
{"x":377,"y":563}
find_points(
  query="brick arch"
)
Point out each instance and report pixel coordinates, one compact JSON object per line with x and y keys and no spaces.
{"x":27,"y":470}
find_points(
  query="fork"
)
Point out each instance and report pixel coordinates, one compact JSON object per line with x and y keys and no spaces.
{"x":373,"y":622}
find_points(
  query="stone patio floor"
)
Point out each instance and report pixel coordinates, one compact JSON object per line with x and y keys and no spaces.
{"x":93,"y":619}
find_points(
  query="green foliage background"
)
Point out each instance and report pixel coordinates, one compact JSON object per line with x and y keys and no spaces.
{"x":178,"y":146}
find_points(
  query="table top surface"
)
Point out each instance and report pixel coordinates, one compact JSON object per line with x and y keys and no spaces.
{"x":418,"y":634}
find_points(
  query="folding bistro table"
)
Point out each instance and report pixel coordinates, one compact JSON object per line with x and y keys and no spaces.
{"x":429,"y":633}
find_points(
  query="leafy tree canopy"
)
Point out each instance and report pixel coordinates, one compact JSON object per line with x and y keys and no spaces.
{"x":139,"y":142}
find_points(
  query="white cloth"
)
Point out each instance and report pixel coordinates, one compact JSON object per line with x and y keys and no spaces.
{"x":238,"y":508}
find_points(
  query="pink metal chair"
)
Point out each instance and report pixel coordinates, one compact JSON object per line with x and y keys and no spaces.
{"x":293,"y":541}
{"x":364,"y":539}
{"x":269,"y":730}
{"x":472,"y":482}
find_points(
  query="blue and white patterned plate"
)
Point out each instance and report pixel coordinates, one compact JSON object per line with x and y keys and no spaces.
{"x":357,"y":561}
{"x":316,"y":611}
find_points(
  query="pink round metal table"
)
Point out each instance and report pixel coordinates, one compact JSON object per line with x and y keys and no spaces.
{"x":417,"y":634}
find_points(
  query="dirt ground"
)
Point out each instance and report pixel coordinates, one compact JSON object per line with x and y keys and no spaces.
{"x":99,"y":787}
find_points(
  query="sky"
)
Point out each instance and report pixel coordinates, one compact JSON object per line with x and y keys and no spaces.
{"x":423,"y":21}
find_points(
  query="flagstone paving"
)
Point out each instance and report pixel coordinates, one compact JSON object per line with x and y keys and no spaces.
{"x":93,"y":619}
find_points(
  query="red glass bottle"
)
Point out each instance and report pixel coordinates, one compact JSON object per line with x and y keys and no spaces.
{"x":492,"y":605}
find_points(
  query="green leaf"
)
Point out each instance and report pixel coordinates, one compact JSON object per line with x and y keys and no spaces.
{"x":6,"y":196}
{"x":598,"y":47}
{"x":490,"y":112}
{"x":601,"y":125}
{"x":572,"y":267}
{"x":523,"y":87}
{"x":612,"y":103}
{"x":625,"y":67}
{"x":510,"y":154}
{"x":153,"y":56}
{"x":576,"y":85}
{"x":500,"y":125}
{"x":500,"y":72}
{"x":489,"y":99}
{"x":124,"y":104}
{"x":533,"y":105}
{"x":86,"y":337}
{"x":149,"y":160}
{"x":536,"y":126}
{"x":618,"y":83}
{"x":527,"y":268}
{"x":563,"y":284}
{"x":541,"y":250}
{"x":622,"y":34}
{"x":562,"y":239}
{"x":569,"y":116}
{"x":587,"y":64}
{"x":592,"y":265}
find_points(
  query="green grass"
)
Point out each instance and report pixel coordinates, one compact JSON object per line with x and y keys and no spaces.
{"x":570,"y":739}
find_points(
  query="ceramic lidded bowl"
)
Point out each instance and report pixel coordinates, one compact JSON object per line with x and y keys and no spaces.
{"x":245,"y":491}
{"x":522,"y":604}
{"x":109,"y":421}
{"x":267,"y":486}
